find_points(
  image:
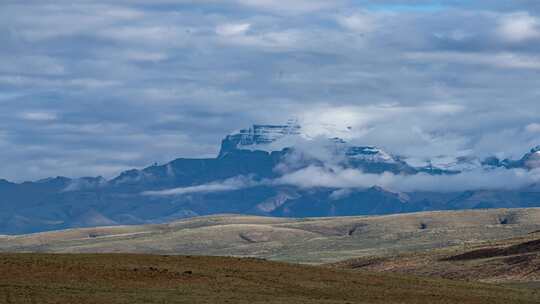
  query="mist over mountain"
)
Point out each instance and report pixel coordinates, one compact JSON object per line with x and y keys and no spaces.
{"x":275,"y":170}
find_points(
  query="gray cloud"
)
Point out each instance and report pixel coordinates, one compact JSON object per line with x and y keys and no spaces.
{"x":95,"y":87}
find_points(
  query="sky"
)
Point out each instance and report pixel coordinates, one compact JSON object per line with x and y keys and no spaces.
{"x":92,"y":88}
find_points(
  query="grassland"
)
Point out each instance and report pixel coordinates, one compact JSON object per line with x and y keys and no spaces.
{"x":432,"y":257}
{"x":311,"y":241}
{"x":115,"y":278}
{"x":512,"y":261}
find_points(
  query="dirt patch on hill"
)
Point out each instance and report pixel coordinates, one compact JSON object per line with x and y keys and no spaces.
{"x":484,"y":253}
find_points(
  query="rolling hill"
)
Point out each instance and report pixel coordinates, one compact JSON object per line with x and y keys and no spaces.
{"x":310,"y":240}
{"x":515,"y":260}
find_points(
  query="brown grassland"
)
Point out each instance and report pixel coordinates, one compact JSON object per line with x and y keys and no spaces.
{"x":514,"y":261}
{"x":121,"y":278}
{"x":311,"y":241}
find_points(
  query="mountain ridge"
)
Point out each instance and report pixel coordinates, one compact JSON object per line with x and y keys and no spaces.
{"x":256,"y":172}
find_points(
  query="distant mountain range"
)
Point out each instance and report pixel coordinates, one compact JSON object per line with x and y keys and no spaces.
{"x":251,"y":175}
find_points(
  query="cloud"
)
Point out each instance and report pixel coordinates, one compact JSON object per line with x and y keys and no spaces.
{"x":519,"y":27}
{"x":360,"y":22}
{"x":38,"y":116}
{"x":44,"y":21}
{"x":533,"y":128}
{"x":232,"y":29}
{"x":497,"y":60}
{"x":347,"y":180}
{"x":296,"y":6}
{"x":230,"y":184}
{"x":143,"y":34}
{"x":163,"y":79}
{"x":145,"y":56}
{"x":480,"y":179}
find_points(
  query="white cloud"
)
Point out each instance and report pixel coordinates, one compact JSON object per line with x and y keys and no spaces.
{"x":230,"y":184}
{"x":38,"y":116}
{"x":360,"y":22}
{"x":340,"y":178}
{"x":87,"y":83}
{"x":533,"y":128}
{"x":519,"y":27}
{"x":139,"y":34}
{"x":145,"y":56}
{"x":497,"y":60}
{"x":90,"y":83}
{"x":279,"y":40}
{"x":293,"y":6}
{"x":232,"y":29}
{"x":354,"y":122}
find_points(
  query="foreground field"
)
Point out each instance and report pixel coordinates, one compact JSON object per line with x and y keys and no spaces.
{"x":316,"y":240}
{"x":45,"y":278}
{"x":513,"y":261}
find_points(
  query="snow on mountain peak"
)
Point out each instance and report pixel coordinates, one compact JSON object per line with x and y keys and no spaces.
{"x":258,"y":136}
{"x":278,"y":137}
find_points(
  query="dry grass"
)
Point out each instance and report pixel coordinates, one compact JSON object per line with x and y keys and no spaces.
{"x":45,"y":278}
{"x":315,"y":241}
{"x":515,"y":261}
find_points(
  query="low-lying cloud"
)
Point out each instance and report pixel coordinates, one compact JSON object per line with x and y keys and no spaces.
{"x":479,"y":179}
{"x":231,"y":184}
{"x":347,"y":180}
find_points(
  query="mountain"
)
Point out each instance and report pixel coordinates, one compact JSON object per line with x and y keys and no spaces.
{"x":257,"y":136}
{"x":271,"y":170}
{"x":529,"y":161}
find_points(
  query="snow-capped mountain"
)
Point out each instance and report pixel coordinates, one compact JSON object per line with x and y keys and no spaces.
{"x":259,"y":137}
{"x":252,"y":175}
{"x":290,"y":138}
